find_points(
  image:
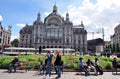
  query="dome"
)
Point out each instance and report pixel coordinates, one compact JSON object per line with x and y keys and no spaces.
{"x":54,"y":18}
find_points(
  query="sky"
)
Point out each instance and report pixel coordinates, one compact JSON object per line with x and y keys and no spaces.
{"x":95,"y":14}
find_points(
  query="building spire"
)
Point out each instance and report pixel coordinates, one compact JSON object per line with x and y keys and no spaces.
{"x":82,"y":23}
{"x":26,"y":24}
{"x":38,"y":16}
{"x":55,"y":8}
{"x":67,"y":16}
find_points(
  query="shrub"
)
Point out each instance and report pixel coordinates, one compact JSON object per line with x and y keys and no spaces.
{"x":109,"y":65}
{"x":33,"y":63}
{"x":5,"y":64}
{"x":74,"y":66}
{"x":5,"y":61}
{"x":71,"y":61}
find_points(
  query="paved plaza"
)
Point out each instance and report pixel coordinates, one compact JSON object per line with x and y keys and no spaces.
{"x":21,"y":74}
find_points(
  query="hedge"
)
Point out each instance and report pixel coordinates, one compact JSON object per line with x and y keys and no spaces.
{"x":71,"y":61}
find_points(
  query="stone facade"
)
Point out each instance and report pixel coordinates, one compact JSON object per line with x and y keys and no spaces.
{"x":5,"y":36}
{"x":115,"y":38}
{"x":54,"y":32}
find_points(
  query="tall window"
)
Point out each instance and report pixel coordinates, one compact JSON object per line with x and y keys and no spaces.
{"x":0,"y":40}
{"x":52,"y":33}
{"x":60,"y":40}
{"x":79,"y":41}
{"x":67,"y":40}
{"x":23,"y":36}
{"x":0,"y":33}
{"x":74,"y":41}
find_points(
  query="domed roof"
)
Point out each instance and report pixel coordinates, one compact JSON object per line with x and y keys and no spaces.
{"x":54,"y":17}
{"x":38,"y":20}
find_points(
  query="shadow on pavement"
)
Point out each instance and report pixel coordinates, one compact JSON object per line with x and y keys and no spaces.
{"x":37,"y":73}
{"x":18,"y":71}
{"x":115,"y":73}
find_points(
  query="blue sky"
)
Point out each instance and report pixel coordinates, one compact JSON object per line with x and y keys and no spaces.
{"x":95,"y":14}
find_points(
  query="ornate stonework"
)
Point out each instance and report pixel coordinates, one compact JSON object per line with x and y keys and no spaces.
{"x":54,"y":32}
{"x":5,"y":36}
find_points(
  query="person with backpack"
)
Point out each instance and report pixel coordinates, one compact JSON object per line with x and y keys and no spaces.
{"x":49,"y":64}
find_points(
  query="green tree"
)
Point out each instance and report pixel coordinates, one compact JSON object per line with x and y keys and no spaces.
{"x":117,"y":48}
{"x":106,"y":46}
{"x":113,"y":48}
{"x":15,"y":43}
{"x":110,"y":47}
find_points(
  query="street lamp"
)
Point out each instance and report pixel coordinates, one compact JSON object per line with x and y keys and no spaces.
{"x":63,"y":40}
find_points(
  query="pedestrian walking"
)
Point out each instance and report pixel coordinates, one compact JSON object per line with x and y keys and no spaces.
{"x":49,"y":64}
{"x":58,"y":64}
{"x":115,"y":64}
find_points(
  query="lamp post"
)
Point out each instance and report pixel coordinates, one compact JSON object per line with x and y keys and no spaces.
{"x":63,"y":40}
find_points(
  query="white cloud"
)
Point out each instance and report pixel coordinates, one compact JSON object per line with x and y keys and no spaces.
{"x":14,"y":37}
{"x":95,"y":16}
{"x":21,"y":25}
{"x":1,"y":18}
{"x":102,"y":14}
{"x":46,"y":13}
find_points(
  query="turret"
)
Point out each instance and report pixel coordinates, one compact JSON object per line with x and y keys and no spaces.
{"x":38,"y":20}
{"x":67,"y":16}
{"x":82,"y":24}
{"x":54,"y":8}
{"x":26,"y":25}
{"x":38,"y":17}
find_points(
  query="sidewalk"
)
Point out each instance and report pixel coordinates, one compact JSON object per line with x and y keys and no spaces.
{"x":21,"y":74}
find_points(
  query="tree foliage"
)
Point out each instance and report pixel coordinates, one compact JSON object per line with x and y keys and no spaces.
{"x":113,"y":48}
{"x":15,"y":43}
{"x":117,"y":48}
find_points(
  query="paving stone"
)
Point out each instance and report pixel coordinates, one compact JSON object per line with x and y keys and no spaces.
{"x":21,"y":74}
